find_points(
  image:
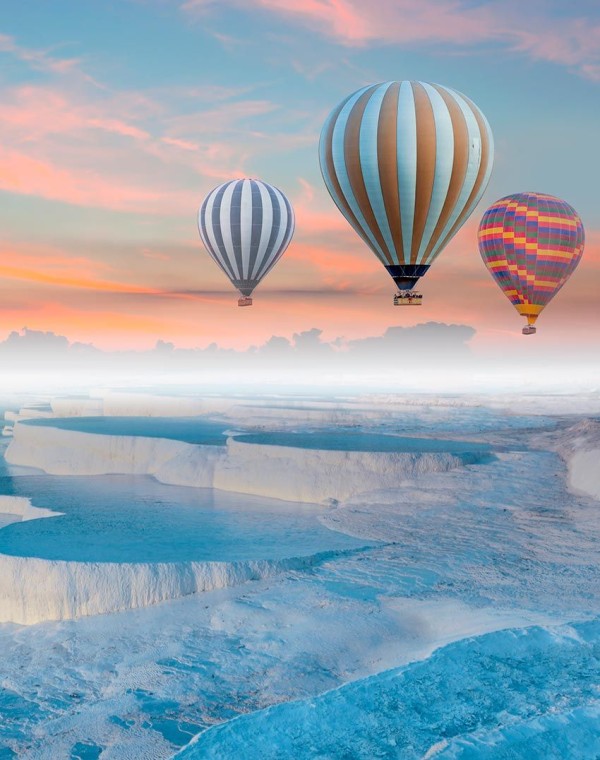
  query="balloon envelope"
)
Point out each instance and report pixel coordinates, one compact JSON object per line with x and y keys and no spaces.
{"x":246,"y":225}
{"x":531,"y":243}
{"x":406,"y":163}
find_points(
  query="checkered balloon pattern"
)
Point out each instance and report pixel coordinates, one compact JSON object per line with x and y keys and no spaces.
{"x":531,"y":243}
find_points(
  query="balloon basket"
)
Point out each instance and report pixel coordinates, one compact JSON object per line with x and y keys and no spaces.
{"x":529,"y":330}
{"x":246,"y":301}
{"x":408,"y":298}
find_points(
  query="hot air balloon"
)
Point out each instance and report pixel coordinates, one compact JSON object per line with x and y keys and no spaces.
{"x":246,"y":225}
{"x":406,"y":163}
{"x":531,"y":243}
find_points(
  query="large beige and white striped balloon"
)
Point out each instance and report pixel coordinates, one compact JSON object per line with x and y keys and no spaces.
{"x":406,"y":163}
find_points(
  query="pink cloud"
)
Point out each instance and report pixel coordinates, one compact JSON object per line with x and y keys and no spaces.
{"x":31,"y":112}
{"x":573,"y":42}
{"x":23,"y":174}
{"x":37,"y":59}
{"x":50,"y":259}
{"x":128,"y":150}
{"x":210,"y":93}
{"x":119,"y":128}
{"x":225,"y":118}
{"x":183,"y":144}
{"x":83,"y":148}
{"x":316,"y":214}
{"x":220,"y":142}
{"x":336,"y":268}
{"x":338,"y":14}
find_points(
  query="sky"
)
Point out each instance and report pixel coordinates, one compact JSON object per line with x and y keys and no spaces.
{"x":117,"y":117}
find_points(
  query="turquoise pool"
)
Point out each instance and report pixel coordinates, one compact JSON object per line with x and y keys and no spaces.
{"x":137,"y":519}
{"x":349,"y":440}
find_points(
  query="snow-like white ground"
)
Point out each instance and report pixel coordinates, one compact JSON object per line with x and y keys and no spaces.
{"x":35,"y":590}
{"x":359,"y":408}
{"x":579,"y":446}
{"x":279,"y":472}
{"x":457,"y":694}
{"x":468,"y":631}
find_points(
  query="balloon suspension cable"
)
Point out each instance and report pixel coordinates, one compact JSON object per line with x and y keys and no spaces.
{"x":408,"y":298}
{"x":245,"y":301}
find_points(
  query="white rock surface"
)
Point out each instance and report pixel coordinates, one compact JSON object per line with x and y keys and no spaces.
{"x":22,"y":507}
{"x":129,"y":404}
{"x":58,"y":590}
{"x":310,"y":475}
{"x":77,"y":407}
{"x":280,"y":472}
{"x":26,"y":413}
{"x":67,"y":452}
{"x":584,"y":472}
{"x":579,"y":446}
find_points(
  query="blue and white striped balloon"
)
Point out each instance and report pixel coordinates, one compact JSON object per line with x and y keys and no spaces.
{"x":246,"y":225}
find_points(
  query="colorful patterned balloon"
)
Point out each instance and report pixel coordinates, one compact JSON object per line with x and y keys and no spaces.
{"x":531,"y":243}
{"x":406,"y":163}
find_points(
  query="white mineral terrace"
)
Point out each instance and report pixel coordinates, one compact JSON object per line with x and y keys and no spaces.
{"x":281,"y":472}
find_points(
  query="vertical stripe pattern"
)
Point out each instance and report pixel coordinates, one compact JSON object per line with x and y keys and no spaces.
{"x":246,"y":225}
{"x":531,"y":243}
{"x":406,"y":163}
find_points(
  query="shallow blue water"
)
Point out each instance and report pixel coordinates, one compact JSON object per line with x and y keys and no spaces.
{"x":136,"y":519}
{"x":187,"y":429}
{"x":349,"y":440}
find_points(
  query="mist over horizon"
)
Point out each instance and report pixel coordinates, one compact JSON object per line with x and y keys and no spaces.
{"x":429,"y":356}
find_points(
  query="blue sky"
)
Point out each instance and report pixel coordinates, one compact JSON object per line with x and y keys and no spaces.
{"x":116,"y":118}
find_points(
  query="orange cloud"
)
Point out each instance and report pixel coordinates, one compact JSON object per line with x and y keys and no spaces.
{"x":316,"y":213}
{"x":104,"y":327}
{"x":18,"y":273}
{"x":45,"y":257}
{"x":42,"y":264}
{"x":331,"y":265}
{"x":327,"y":280}
{"x":118,"y":318}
